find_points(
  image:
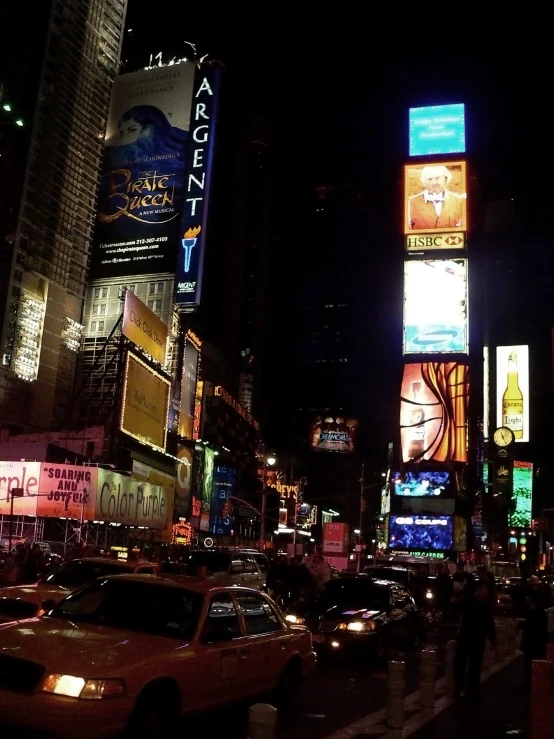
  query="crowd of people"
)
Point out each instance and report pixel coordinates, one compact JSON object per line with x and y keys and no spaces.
{"x":291,"y":579}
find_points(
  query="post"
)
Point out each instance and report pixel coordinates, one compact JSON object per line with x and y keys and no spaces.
{"x":427,"y":691}
{"x":359,"y":564}
{"x":264,"y":508}
{"x":11,"y":522}
{"x":262,"y":721}
{"x":396,"y":681}
{"x":450,"y":653}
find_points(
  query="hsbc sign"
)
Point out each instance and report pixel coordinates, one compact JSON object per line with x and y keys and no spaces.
{"x":435,"y":242}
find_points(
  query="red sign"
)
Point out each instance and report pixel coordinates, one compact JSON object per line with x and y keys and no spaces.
{"x":335,"y":538}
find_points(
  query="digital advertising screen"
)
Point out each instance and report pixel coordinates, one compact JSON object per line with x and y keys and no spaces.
{"x":421,"y":484}
{"x":432,"y":533}
{"x":433,"y":412}
{"x":512,"y":390}
{"x":435,"y":307}
{"x":437,"y":129}
{"x":142,"y":185}
{"x":333,"y":434}
{"x":435,"y":197}
{"x":225,"y":480}
{"x":522,"y":486}
{"x":200,"y":158}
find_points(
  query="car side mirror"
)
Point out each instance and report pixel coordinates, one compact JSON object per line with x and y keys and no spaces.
{"x":48,"y":604}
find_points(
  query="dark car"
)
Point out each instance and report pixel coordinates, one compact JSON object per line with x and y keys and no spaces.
{"x":420,"y":585}
{"x":359,"y":612}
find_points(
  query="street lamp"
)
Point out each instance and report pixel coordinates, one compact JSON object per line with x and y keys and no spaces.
{"x":268,"y":461}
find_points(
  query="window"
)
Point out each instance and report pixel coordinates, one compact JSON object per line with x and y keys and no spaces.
{"x":98,"y":309}
{"x":155,"y":305}
{"x":100,"y":292}
{"x":259,"y":616}
{"x":222,"y":621}
{"x":156,"y":288}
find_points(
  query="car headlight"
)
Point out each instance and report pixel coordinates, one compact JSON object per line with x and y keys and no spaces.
{"x":429,"y":595}
{"x":292,"y":619}
{"x":358,"y":626}
{"x":78,"y":687}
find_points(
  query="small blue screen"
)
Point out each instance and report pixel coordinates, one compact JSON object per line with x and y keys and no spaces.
{"x":437,"y":129}
{"x":420,"y":532}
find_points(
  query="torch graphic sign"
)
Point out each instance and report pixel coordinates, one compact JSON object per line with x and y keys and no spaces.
{"x":188,"y":243}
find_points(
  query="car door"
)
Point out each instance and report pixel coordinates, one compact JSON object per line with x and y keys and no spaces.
{"x":219,"y":672}
{"x":253,"y":577}
{"x":268,"y":642}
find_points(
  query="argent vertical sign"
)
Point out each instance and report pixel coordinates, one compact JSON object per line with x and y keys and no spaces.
{"x":190,"y":259}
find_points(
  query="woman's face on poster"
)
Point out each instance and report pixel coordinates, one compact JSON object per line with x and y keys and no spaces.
{"x":129,"y":131}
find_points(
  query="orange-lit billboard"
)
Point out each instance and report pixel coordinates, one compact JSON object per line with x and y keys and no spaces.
{"x":67,"y":490}
{"x":433,"y":412}
{"x":145,"y":403}
{"x":435,"y":197}
{"x":19,"y":476}
{"x":143,"y":327}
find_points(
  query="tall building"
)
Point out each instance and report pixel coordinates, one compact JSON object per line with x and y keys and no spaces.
{"x":57,"y":77}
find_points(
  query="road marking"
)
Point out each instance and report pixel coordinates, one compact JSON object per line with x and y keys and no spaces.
{"x":375,"y":724}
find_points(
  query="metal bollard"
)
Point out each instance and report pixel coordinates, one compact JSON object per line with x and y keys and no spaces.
{"x":262,"y":721}
{"x":450,"y":652}
{"x":427,"y":691}
{"x":396,"y":685}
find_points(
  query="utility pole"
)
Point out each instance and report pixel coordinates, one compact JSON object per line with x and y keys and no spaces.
{"x":359,"y":563}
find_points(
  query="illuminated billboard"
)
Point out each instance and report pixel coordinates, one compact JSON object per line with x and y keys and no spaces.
{"x":207,"y":488}
{"x":122,"y":499}
{"x":421,"y":243}
{"x":192,"y":237}
{"x":437,"y":129}
{"x":224,"y":484}
{"x":522,"y":494}
{"x":435,"y":533}
{"x":428,"y":484}
{"x":333,"y":434}
{"x":435,"y":306}
{"x":142,"y":186}
{"x":183,"y":480}
{"x":67,"y":491}
{"x":143,"y":327}
{"x":512,"y":390}
{"x":145,"y":403}
{"x":433,"y":412}
{"x":189,"y":380}
{"x":19,"y":475}
{"x":435,"y":197}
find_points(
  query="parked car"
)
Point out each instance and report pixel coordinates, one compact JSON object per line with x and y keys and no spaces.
{"x":359,"y":611}
{"x":130,"y":652}
{"x":25,"y":601}
{"x":420,"y":585}
{"x":227,"y":567}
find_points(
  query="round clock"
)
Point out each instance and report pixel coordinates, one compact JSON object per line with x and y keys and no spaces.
{"x":503,"y":436}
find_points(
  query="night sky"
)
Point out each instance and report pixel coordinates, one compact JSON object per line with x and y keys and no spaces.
{"x":338,"y":89}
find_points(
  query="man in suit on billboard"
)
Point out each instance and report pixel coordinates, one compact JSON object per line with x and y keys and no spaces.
{"x":436,"y":206}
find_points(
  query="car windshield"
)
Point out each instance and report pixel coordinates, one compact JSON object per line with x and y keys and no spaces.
{"x":134,"y":605}
{"x":212,"y":561}
{"x":354,"y":593}
{"x":80,"y":571}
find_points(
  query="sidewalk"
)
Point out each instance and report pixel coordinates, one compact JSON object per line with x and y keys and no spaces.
{"x":503,"y":711}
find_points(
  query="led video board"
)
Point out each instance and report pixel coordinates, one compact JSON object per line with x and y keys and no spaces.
{"x":437,"y":129}
{"x":435,"y":197}
{"x":433,"y":412}
{"x":433,"y":533}
{"x":512,"y":390}
{"x":421,"y":484}
{"x":522,"y":494}
{"x":435,"y":307}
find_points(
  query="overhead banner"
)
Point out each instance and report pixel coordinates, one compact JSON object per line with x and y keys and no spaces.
{"x":122,"y":499}
{"x":142,"y":185}
{"x":67,"y":491}
{"x":437,"y":129}
{"x":190,"y":261}
{"x":512,"y":390}
{"x":435,"y":197}
{"x":435,"y":306}
{"x":333,"y":434}
{"x":143,"y":327}
{"x":145,"y":403}
{"x":433,"y":412}
{"x":19,"y":475}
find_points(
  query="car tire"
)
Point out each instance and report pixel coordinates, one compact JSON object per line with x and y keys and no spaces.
{"x":288,"y":685}
{"x":155,"y":712}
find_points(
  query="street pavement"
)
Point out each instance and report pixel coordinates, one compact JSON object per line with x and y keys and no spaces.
{"x":340,"y":692}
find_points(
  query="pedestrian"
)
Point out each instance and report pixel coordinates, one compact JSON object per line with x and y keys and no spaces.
{"x":319,"y":568}
{"x":460,"y":580}
{"x":476,"y":626}
{"x":444,"y":588}
{"x":534,"y":639}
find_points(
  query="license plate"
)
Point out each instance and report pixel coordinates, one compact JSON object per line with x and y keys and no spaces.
{"x":318,"y":638}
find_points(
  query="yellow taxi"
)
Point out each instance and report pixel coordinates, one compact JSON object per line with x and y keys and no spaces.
{"x":131,"y":653}
{"x":25,"y":601}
